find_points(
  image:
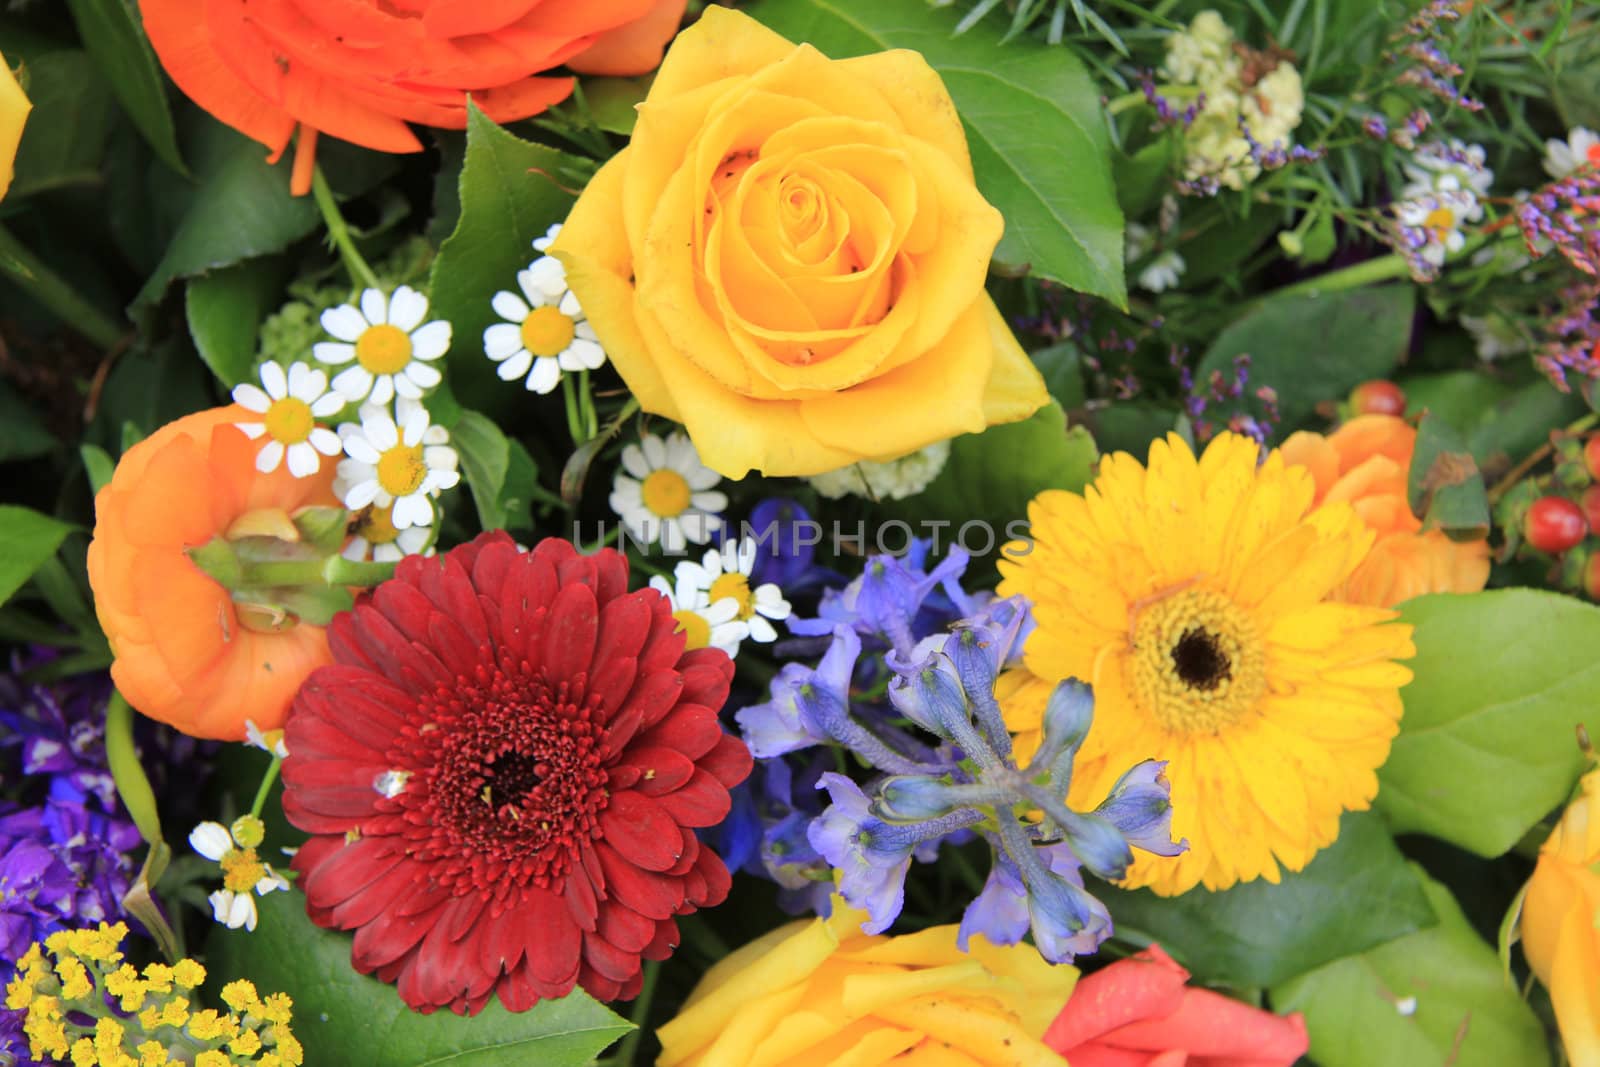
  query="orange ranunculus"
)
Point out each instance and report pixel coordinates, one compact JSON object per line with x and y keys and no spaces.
{"x":789,"y":257}
{"x":1365,"y":463}
{"x":183,"y":655}
{"x":1561,"y":923}
{"x":14,"y":108}
{"x":360,"y":70}
{"x":1139,"y":1013}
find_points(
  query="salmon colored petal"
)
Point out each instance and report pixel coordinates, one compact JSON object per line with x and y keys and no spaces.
{"x":1147,"y":985}
{"x":635,"y":48}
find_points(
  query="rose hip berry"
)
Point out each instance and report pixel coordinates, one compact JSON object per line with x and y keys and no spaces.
{"x":1590,"y":504}
{"x":1378,"y":397}
{"x":1554,"y":524}
{"x":1591,"y":455}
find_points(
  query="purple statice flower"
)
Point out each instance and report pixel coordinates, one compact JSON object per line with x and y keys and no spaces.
{"x":1571,"y":332}
{"x":1375,"y":127}
{"x":1560,"y":215}
{"x":1168,"y":116}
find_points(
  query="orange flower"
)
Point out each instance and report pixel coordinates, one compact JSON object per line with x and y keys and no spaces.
{"x":361,"y":70}
{"x":1365,"y":463}
{"x":183,"y":654}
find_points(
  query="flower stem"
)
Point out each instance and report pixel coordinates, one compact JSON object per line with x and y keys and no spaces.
{"x":575,"y":426}
{"x":339,"y":233}
{"x":333,"y":571}
{"x":266,"y":786}
{"x":639,"y":1015}
{"x":30,"y":273}
{"x":1514,"y":475}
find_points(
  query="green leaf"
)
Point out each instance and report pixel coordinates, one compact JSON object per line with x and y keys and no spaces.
{"x":1311,"y":346}
{"x":27,"y":540}
{"x":509,"y":196}
{"x":1433,"y":997}
{"x":1358,"y":892}
{"x":1035,"y":128}
{"x":117,"y":44}
{"x":65,"y":135}
{"x":1061,"y":365}
{"x":98,"y":465}
{"x":485,"y":457}
{"x":1444,"y":487}
{"x":1487,"y":746}
{"x":342,"y":1017}
{"x":225,"y":309}
{"x":242,"y":209}
{"x":22,"y":435}
{"x":1142,"y":177}
{"x":991,"y":476}
{"x":611,"y":101}
{"x":522,"y":485}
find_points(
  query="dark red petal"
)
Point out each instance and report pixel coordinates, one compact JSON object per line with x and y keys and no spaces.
{"x":331,"y":877}
{"x":550,"y":937}
{"x":707,"y":673}
{"x":369,"y":902}
{"x":652,"y":895}
{"x":691,"y":853}
{"x":609,"y":960}
{"x":653,"y":697}
{"x":457,"y":651}
{"x":717,"y":879}
{"x":613,"y":679}
{"x":666,"y":939}
{"x":363,"y":706}
{"x":626,"y":928}
{"x":692,"y":729}
{"x":569,"y":633}
{"x":598,"y":985}
{"x":408,"y":665}
{"x":641,"y":831}
{"x":405,"y":606}
{"x":342,"y":643}
{"x":730,"y":762}
{"x":581,"y":901}
{"x":703,"y":801}
{"x":624,"y":624}
{"x":516,"y":991}
{"x":661,"y":770}
{"x":665,"y":644}
{"x":388,"y":936}
{"x":623,"y":776}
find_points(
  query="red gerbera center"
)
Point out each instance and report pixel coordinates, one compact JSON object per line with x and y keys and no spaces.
{"x":503,"y":772}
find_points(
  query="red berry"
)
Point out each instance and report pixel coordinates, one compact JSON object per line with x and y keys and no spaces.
{"x":1591,"y":455}
{"x":1378,"y":397}
{"x":1554,"y":524}
{"x":1590,"y":503}
{"x":1591,"y":577}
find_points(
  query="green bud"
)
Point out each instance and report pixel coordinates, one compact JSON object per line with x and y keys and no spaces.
{"x":249,"y":831}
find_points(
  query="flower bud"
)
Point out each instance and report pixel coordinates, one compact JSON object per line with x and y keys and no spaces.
{"x":913,"y":797}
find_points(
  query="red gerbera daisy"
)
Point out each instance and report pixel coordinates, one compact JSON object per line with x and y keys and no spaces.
{"x":503,"y":770}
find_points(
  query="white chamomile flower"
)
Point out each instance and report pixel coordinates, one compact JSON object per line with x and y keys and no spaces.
{"x":545,"y":332}
{"x":664,"y":493}
{"x":1162,"y":272}
{"x":724,"y":574}
{"x":266,"y":740}
{"x":1447,"y":166}
{"x":391,"y":345}
{"x":1434,"y":221}
{"x":1580,"y":149}
{"x":289,"y":406}
{"x":542,"y":244}
{"x":393,"y":464}
{"x":244,"y":875}
{"x":373,"y":537}
{"x":703,"y":624}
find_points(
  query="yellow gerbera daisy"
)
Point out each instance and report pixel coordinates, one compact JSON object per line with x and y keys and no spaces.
{"x":1194,"y":596}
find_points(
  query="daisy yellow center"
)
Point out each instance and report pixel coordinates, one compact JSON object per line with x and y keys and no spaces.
{"x":696,"y":631}
{"x":736,"y":586}
{"x":1198,"y":662}
{"x":401,"y":470}
{"x":547,"y":332}
{"x":383,"y":349}
{"x":289,"y":420}
{"x":241,"y":870}
{"x":1439,"y":222}
{"x":666,"y":493}
{"x":377,"y":526}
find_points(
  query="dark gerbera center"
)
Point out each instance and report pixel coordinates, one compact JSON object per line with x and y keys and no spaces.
{"x":1200,"y":661}
{"x":515,"y":778}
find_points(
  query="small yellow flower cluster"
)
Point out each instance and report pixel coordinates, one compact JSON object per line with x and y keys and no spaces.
{"x":140,"y":1019}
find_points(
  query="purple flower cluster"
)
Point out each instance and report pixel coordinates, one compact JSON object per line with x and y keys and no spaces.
{"x":1425,"y":63}
{"x":906,"y":686}
{"x":1276,"y":156}
{"x":1168,"y":116}
{"x":1221,"y":389}
{"x":1572,"y":335}
{"x":1562,"y":214}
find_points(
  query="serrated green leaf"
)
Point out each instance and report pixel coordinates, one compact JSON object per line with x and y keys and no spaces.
{"x":1357,"y":892}
{"x":225,"y":309}
{"x":1434,"y":997}
{"x":1444,"y":486}
{"x":117,"y":44}
{"x":27,"y":540}
{"x":64,"y":139}
{"x":1035,"y":128}
{"x":342,"y":1017}
{"x":1312,"y":346}
{"x":1487,"y":746}
{"x":509,"y":196}
{"x":485,"y":458}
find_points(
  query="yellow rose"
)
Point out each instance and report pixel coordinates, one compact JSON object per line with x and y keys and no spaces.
{"x":789,"y":257}
{"x":820,"y":991}
{"x":1561,"y":923}
{"x":14,"y":108}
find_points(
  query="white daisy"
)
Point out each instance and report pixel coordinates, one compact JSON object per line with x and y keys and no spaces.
{"x":724,"y":574}
{"x":542,"y":244}
{"x":244,"y":875}
{"x":266,"y":740}
{"x":703,"y":624}
{"x":389,"y":342}
{"x":392,"y":464}
{"x":1580,"y":149}
{"x":289,"y":406}
{"x":1440,"y":166}
{"x":1162,"y":273}
{"x":1433,"y":221}
{"x":373,"y":537}
{"x":665,"y":493}
{"x":545,"y":331}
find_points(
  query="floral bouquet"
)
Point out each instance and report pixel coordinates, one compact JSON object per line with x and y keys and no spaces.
{"x":993,"y":532}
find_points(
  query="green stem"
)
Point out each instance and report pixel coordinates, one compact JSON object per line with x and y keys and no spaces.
{"x":1352,"y":277}
{"x":266,"y":786}
{"x":574,"y":421}
{"x":51,"y":290}
{"x":335,"y":570}
{"x":339,"y":233}
{"x":639,"y":1015}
